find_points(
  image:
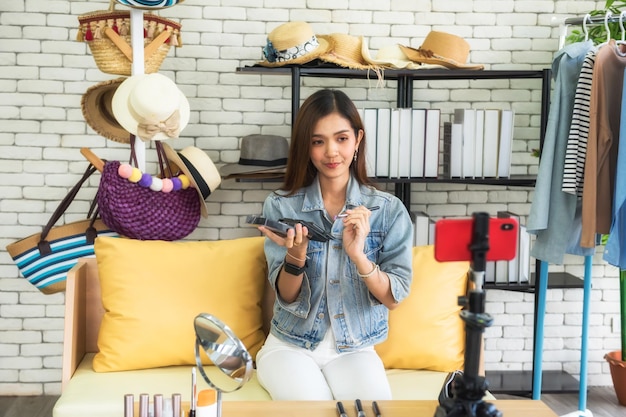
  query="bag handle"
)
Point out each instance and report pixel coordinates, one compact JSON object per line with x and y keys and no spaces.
{"x":44,"y":245}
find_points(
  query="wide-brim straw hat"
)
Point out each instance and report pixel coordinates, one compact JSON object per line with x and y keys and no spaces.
{"x":97,"y":108}
{"x":151,"y":106}
{"x":149,"y":4}
{"x":293,"y":43}
{"x":259,"y":154}
{"x":346,"y":51}
{"x":442,"y":48}
{"x":199,"y":168}
{"x":391,"y":56}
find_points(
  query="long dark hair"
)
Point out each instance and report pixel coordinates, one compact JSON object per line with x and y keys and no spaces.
{"x":300,"y":170}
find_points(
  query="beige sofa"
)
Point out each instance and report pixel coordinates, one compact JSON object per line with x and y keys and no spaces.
{"x":129,"y":321}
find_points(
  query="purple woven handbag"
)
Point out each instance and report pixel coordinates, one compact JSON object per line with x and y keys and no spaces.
{"x":138,"y":212}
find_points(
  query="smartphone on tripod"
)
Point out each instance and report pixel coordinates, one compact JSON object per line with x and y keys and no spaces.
{"x":453,"y":239}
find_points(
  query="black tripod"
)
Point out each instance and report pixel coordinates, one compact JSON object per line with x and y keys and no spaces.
{"x":469,"y":388}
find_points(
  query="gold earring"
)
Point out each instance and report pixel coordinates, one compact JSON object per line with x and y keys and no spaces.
{"x":355,"y":154}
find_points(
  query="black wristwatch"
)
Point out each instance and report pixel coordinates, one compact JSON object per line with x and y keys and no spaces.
{"x":293,"y":269}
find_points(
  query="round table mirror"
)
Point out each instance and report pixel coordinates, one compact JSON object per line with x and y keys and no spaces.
{"x":226,"y":351}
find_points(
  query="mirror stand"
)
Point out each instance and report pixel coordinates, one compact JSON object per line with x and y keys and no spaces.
{"x":226,"y":351}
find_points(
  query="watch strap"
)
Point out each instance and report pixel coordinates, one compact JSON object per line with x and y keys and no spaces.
{"x":293,"y":269}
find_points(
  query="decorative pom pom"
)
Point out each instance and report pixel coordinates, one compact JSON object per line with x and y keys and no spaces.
{"x":125,"y":170}
{"x":135,"y":176}
{"x":157,"y":184}
{"x":184,"y":181}
{"x":167,"y":185}
{"x":146,"y":180}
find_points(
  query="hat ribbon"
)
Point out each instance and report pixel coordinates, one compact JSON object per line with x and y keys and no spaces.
{"x":203,"y":187}
{"x":427,"y":53}
{"x":169,"y":126}
{"x":273,"y":55}
{"x":261,"y":162}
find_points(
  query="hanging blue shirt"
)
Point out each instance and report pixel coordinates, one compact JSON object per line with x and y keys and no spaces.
{"x":552,"y":213}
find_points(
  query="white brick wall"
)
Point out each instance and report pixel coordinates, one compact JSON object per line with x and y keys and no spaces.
{"x":44,"y":72}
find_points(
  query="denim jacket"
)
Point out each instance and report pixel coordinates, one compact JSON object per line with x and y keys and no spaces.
{"x":333,"y":296}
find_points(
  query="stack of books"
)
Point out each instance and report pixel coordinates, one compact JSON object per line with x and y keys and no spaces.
{"x":402,"y":143}
{"x":517,"y":270}
{"x":478,"y":144}
{"x":423,"y":228}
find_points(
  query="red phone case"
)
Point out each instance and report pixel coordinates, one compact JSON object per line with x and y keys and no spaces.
{"x":453,"y":237}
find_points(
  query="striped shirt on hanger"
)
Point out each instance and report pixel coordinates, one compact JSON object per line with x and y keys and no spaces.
{"x":576,"y":151}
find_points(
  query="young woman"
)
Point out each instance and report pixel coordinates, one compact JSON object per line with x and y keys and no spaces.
{"x":333,"y":297}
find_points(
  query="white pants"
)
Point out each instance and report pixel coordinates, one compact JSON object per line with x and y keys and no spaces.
{"x":289,"y":372}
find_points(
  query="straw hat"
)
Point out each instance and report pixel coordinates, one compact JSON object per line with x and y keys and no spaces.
{"x":259,"y":153}
{"x":199,"y":168}
{"x":96,"y":105}
{"x":346,"y":52}
{"x":149,"y":4}
{"x":151,"y":107}
{"x":293,"y":43}
{"x":442,"y":48}
{"x":390,"y":56}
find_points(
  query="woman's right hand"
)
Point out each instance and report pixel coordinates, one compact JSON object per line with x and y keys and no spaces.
{"x":296,"y":243}
{"x":296,"y":240}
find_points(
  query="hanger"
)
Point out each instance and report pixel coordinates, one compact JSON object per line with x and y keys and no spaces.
{"x":622,"y":41}
{"x":621,"y":27}
{"x":585,"y":30}
{"x":606,"y":27}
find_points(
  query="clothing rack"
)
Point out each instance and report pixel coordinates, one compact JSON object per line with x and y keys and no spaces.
{"x":595,"y":20}
{"x":543,"y":267}
{"x":589,"y":20}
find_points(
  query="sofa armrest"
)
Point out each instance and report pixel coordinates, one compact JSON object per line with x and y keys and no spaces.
{"x":83,"y":315}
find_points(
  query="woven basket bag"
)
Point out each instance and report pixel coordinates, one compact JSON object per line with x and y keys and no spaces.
{"x":136,"y":211}
{"x":107,"y":33}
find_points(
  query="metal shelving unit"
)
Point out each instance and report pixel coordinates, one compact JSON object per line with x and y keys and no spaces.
{"x":514,"y":382}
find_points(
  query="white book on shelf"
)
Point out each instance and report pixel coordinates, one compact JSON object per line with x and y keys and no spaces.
{"x":505,"y":147}
{"x":431,"y":231}
{"x":456,"y":162}
{"x":404,"y":156}
{"x":467,"y":117}
{"x":418,"y":139}
{"x":524,"y":255}
{"x":490,"y":143}
{"x":421,"y":226}
{"x":394,"y":143}
{"x":502,"y":272}
{"x":478,"y":143}
{"x":382,"y":142}
{"x":431,"y":150}
{"x":370,"y":120}
{"x":490,"y":272}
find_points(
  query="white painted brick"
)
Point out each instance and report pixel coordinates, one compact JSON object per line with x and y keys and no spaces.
{"x":539,"y":6}
{"x":9,"y":349}
{"x":521,"y":357}
{"x":44,"y":72}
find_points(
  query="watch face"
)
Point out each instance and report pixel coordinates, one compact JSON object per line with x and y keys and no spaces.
{"x":149,"y":4}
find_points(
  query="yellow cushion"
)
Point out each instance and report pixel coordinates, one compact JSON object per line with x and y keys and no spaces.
{"x":425,"y":331}
{"x":152,"y":290}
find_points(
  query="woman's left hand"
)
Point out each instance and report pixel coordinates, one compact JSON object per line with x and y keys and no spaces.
{"x":356,"y":227}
